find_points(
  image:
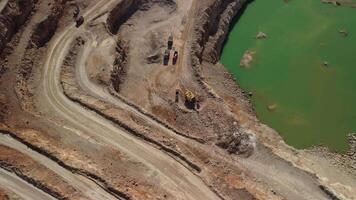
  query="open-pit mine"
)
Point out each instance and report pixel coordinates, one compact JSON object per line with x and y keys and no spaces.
{"x":130,"y":99}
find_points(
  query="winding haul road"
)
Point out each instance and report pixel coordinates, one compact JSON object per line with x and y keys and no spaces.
{"x":25,"y":191}
{"x":87,"y":187}
{"x":172,"y":176}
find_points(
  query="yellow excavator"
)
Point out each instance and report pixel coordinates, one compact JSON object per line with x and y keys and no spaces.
{"x":190,"y":97}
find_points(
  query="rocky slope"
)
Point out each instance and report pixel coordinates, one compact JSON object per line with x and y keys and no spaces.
{"x":122,"y":11}
{"x":12,"y":17}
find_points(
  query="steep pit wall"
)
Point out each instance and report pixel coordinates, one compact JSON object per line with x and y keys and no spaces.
{"x":126,"y":8}
{"x":220,"y":30}
{"x":122,"y":11}
{"x":12,"y":17}
{"x":212,"y":21}
{"x":46,"y":29}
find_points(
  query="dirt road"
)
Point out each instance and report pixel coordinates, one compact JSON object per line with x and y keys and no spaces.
{"x":90,"y":189}
{"x":3,"y":4}
{"x":21,"y":188}
{"x":174,"y":176}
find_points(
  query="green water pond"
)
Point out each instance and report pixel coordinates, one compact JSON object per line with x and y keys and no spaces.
{"x":303,"y":75}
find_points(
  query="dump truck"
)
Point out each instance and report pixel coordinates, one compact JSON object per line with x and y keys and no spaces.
{"x":166,"y":57}
{"x":170,"y":42}
{"x":79,"y":21}
{"x":175,"y":57}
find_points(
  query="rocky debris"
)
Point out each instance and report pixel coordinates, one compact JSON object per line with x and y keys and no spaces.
{"x":326,"y":64}
{"x":170,"y":5}
{"x":272,"y":107}
{"x":261,"y":35}
{"x":239,"y":142}
{"x":126,"y":8}
{"x":23,"y":89}
{"x":119,"y":70}
{"x":12,"y":17}
{"x":334,"y":2}
{"x":352,"y":151}
{"x":349,"y":3}
{"x":344,"y":33}
{"x":247,"y":58}
{"x":46,"y":29}
{"x":219,"y":29}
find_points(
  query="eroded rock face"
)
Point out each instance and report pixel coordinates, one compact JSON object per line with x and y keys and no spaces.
{"x":122,"y":11}
{"x":215,"y":21}
{"x":3,"y":108}
{"x":46,"y":29}
{"x":12,"y":17}
{"x":220,"y":29}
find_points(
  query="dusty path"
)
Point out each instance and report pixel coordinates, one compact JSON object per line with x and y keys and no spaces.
{"x":3,"y":4}
{"x":21,"y":188}
{"x":174,"y":176}
{"x":86,"y":186}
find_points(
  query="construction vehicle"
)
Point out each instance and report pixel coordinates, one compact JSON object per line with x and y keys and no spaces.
{"x":175,"y":57}
{"x":177,"y":96}
{"x":76,"y":11}
{"x":166,"y":57}
{"x":170,"y":42}
{"x":79,"y":21}
{"x":190,"y":99}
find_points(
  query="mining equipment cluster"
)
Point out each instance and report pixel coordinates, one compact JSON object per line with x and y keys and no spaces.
{"x":79,"y":19}
{"x":168,"y":51}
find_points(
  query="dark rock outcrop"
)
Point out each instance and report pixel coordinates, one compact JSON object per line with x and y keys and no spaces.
{"x":212,"y":28}
{"x":12,"y":17}
{"x":46,"y":29}
{"x":220,"y":30}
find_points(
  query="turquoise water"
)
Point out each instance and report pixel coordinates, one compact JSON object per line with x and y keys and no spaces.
{"x":310,"y":103}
